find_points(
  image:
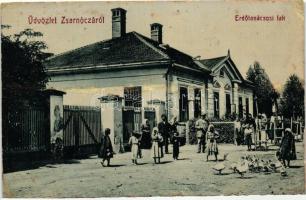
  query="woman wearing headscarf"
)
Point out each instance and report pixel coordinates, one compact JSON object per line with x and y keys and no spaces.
{"x":106,"y":150}
{"x":146,"y":137}
{"x":287,"y":148}
{"x":156,"y":148}
{"x":211,"y":138}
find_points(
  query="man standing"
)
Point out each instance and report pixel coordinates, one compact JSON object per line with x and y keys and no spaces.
{"x":163,"y":129}
{"x":201,"y":126}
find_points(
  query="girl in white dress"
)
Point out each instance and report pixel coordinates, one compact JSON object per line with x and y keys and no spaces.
{"x":134,"y":143}
{"x":156,"y":149}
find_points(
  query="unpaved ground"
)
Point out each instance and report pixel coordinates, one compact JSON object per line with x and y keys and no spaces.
{"x":191,"y":176}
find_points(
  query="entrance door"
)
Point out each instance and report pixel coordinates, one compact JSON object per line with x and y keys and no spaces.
{"x":240,"y":108}
{"x":247,"y":106}
{"x":183,"y":104}
{"x":197,"y":103}
{"x":216,"y":105}
{"x":150,"y":115}
{"x":228,"y":104}
{"x":128,"y":124}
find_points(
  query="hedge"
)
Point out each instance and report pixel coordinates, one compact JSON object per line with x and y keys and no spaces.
{"x":224,"y":128}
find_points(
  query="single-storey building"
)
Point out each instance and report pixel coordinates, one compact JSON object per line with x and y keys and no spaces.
{"x":148,"y":73}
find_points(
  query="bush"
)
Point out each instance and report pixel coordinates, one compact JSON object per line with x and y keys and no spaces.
{"x":226,"y":132}
{"x":192,"y":132}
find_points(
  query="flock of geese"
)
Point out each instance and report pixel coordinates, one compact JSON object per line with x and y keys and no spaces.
{"x":251,"y":163}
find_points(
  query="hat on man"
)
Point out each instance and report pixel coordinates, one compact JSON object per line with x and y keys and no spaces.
{"x":203,"y":114}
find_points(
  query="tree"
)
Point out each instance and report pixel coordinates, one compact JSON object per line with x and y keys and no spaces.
{"x":292,"y":101}
{"x":264,"y":91}
{"x":23,"y":73}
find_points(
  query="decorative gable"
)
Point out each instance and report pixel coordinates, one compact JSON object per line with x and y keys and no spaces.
{"x":216,"y":84}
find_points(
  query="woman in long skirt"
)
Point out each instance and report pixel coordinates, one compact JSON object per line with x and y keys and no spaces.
{"x":174,"y":137}
{"x":287,"y":148}
{"x":248,"y":131}
{"x":146,"y":136}
{"x":106,"y":151}
{"x":237,"y":128}
{"x":156,"y":149}
{"x":134,"y":143}
{"x":211,"y":138}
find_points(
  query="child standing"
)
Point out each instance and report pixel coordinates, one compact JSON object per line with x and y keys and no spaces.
{"x":156,"y":149}
{"x":212,"y":142}
{"x":134,"y":143}
{"x":176,"y":145}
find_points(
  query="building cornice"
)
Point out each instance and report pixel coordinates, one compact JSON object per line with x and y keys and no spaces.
{"x":104,"y":67}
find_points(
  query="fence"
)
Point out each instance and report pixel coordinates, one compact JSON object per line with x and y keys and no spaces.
{"x":26,"y":130}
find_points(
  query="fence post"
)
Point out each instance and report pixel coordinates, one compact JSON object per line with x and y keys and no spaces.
{"x":56,"y":112}
{"x":111,"y":117}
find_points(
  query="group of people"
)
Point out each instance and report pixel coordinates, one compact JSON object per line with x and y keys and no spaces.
{"x":206,"y":135}
{"x":158,"y":141}
{"x":160,"y":137}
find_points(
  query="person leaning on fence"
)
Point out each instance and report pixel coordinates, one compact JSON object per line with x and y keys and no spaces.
{"x":156,"y":152}
{"x":287,"y":150}
{"x":106,"y":151}
{"x":201,"y":126}
{"x":211,"y":138}
{"x":134,"y":143}
{"x":164,"y":129}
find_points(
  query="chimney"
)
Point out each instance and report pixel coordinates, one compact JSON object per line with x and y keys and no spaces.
{"x":118,"y":22}
{"x":157,"y":32}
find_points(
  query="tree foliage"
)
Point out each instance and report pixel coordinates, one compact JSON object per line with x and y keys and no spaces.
{"x":264,"y":91}
{"x":292,"y":101}
{"x":23,"y":73}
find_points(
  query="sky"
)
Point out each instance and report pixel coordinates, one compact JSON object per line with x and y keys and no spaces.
{"x":207,"y":29}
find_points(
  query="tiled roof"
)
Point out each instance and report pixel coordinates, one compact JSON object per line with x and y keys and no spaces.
{"x":130,"y":48}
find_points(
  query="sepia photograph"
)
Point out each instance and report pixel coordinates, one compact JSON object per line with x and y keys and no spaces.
{"x":151,"y":98}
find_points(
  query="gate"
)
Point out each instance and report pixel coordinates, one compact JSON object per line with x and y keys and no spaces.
{"x":82,"y":130}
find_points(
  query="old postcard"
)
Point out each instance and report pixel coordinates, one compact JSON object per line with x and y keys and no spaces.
{"x":129,"y":99}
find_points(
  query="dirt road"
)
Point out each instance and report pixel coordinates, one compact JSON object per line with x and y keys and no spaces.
{"x":191,"y":175}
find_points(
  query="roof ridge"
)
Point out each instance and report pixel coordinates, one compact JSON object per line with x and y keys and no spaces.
{"x":140,"y":37}
{"x":214,"y":58}
{"x":66,"y":52}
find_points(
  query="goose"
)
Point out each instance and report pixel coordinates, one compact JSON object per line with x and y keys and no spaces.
{"x":242,"y":169}
{"x":234,"y":167}
{"x":225,"y":156}
{"x":219,"y":167}
{"x":283,"y":171}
